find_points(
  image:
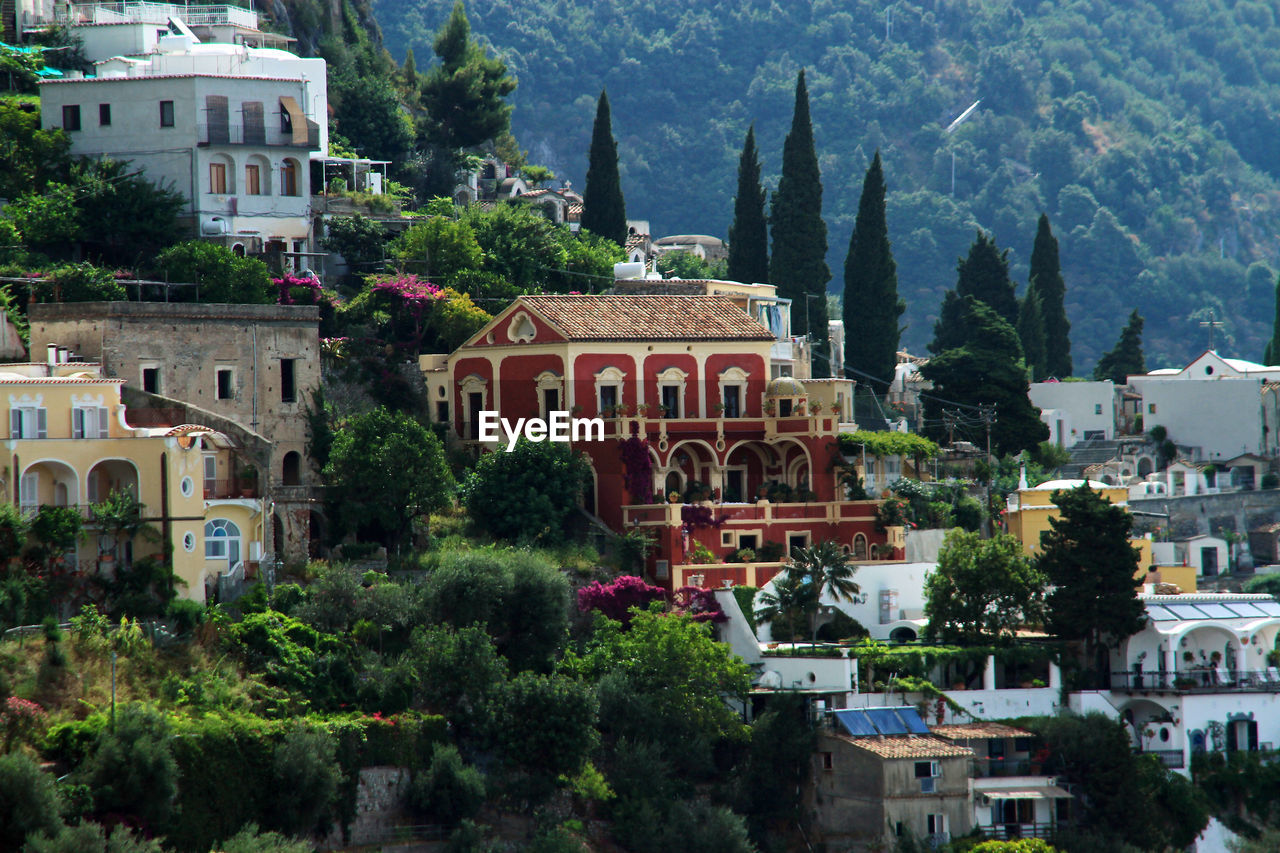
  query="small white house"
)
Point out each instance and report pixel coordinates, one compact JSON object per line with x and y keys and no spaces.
{"x":890,"y":604}
{"x":1076,"y":411}
{"x":1209,"y":554}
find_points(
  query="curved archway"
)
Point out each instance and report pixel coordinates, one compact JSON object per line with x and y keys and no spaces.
{"x":290,"y":175}
{"x":860,"y":546}
{"x":291,"y":473}
{"x":257,"y":175}
{"x":222,"y":542}
{"x":903,"y":635}
{"x":222,"y":175}
{"x":48,"y":481}
{"x":111,"y":475}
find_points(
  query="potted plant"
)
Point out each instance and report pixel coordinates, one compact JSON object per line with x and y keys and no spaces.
{"x":576,"y":410}
{"x":608,"y":411}
{"x":642,"y":409}
{"x":719,"y":408}
{"x":815,"y":408}
{"x":673,"y":497}
{"x":770,"y":407}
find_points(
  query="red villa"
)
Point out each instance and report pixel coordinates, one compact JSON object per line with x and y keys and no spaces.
{"x":741,"y":455}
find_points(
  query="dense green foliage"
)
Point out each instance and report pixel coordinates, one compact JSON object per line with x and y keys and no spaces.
{"x":797,"y":261}
{"x":384,"y":471}
{"x":983,"y":590}
{"x":603,"y":210}
{"x":1141,"y":128}
{"x":871,"y":305}
{"x":1091,"y":569}
{"x":529,"y":494}
{"x":985,"y":368}
{"x":749,"y":231}
{"x":1127,"y":798}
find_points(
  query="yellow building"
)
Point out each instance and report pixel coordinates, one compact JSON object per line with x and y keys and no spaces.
{"x":1029,"y":509}
{"x":71,"y":444}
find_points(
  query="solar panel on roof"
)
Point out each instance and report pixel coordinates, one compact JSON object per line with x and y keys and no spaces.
{"x":886,"y":720}
{"x":1185,"y":611}
{"x":856,"y":722}
{"x":1244,"y":608}
{"x":911,"y":717}
{"x":1159,"y":614}
{"x":1270,"y":608}
{"x":1217,"y":611}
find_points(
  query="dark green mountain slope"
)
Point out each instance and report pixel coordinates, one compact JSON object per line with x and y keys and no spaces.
{"x":1147,"y":130}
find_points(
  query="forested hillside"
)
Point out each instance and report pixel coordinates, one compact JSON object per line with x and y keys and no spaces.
{"x":1147,"y":130}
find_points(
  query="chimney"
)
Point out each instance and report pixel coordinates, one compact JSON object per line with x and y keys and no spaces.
{"x":51,"y":354}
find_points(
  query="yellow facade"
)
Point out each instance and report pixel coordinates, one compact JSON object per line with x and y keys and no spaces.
{"x":70,"y":444}
{"x":1029,"y":511}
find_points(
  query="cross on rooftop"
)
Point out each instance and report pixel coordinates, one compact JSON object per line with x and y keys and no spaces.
{"x":1211,"y":324}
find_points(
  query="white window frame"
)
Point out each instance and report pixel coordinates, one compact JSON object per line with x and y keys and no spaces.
{"x":90,"y":422}
{"x":28,"y":421}
{"x":549,"y":380}
{"x":229,"y":529}
{"x":734,"y":377}
{"x":609,"y":377}
{"x":936,"y":823}
{"x":677,"y":378}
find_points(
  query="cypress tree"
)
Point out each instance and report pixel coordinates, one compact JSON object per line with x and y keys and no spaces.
{"x":871,"y":303}
{"x":1272,"y":352}
{"x":984,"y":275}
{"x":1126,"y":358}
{"x":798,"y":264}
{"x":949,"y":330}
{"x":603,"y":211}
{"x":987,"y":368}
{"x":1031,"y":333}
{"x":409,"y":71}
{"x":1046,"y":278}
{"x":749,"y":233}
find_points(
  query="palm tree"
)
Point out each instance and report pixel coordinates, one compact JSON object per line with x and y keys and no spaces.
{"x":825,"y":568}
{"x":789,"y":599}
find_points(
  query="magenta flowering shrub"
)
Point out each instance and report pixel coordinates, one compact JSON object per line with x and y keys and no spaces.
{"x":639,"y":477}
{"x":615,"y":599}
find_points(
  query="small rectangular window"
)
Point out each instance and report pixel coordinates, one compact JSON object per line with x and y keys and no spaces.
{"x":442,"y":413}
{"x":104,"y":115}
{"x":151,"y":380}
{"x":936,"y":824}
{"x":671,"y":401}
{"x":608,"y":397}
{"x":1151,"y":408}
{"x":827,"y":762}
{"x":252,"y":180}
{"x":288,"y":390}
{"x":1097,"y":408}
{"x":166,"y":113}
{"x":732,"y":401}
{"x":923,"y":769}
{"x":224,"y":384}
{"x":550,"y":400}
{"x":71,"y":117}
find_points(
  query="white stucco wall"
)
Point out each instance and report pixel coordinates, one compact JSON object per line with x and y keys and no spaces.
{"x":1222,"y":417}
{"x":1070,"y":409}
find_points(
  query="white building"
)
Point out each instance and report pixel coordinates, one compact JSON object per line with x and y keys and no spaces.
{"x":1076,"y":411}
{"x":1197,"y":677}
{"x":890,"y":604}
{"x":1214,"y":403}
{"x":232,"y":128}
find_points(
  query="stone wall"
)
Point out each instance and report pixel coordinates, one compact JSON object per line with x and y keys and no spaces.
{"x":1233,"y":512}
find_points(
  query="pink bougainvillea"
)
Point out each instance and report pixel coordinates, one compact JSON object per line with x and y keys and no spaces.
{"x":615,"y":599}
{"x":639,"y":477}
{"x":20,"y":717}
{"x":699,"y":604}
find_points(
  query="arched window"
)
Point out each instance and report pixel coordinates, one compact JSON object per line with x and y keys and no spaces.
{"x":289,"y":177}
{"x":222,"y":541}
{"x":292,"y":473}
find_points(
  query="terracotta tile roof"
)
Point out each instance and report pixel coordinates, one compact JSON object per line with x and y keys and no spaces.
{"x":910,"y":746}
{"x":981,"y":729}
{"x":634,"y":241}
{"x":575,"y":209}
{"x":647,"y":318}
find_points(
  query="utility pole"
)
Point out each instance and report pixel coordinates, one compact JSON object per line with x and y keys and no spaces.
{"x":987,"y":411}
{"x":950,"y":417}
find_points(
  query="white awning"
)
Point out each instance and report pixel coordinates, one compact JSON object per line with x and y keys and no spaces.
{"x":1052,"y":792}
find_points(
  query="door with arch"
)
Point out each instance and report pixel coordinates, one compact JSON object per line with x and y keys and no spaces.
{"x":222,"y":543}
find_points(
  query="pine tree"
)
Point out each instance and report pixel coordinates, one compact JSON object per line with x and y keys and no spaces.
{"x":871,"y":303}
{"x":1091,"y":569}
{"x":749,"y":233}
{"x":462,"y":97}
{"x":1032,"y":335}
{"x":603,"y":211}
{"x":984,"y":275}
{"x":1272,"y":353}
{"x":987,"y":369}
{"x":1126,"y":358}
{"x":798,"y":264}
{"x":1046,"y":278}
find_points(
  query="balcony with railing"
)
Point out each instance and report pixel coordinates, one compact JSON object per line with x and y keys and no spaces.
{"x":1199,"y":680}
{"x":156,"y":13}
{"x":1013,"y":831}
{"x":232,"y":488}
{"x":268,"y":135}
